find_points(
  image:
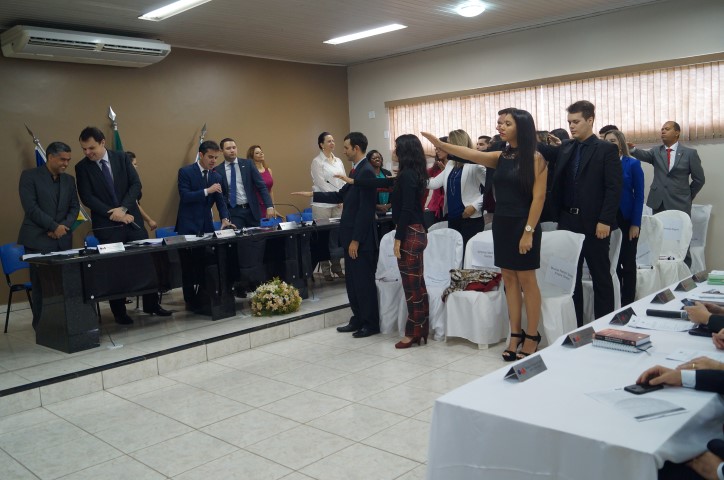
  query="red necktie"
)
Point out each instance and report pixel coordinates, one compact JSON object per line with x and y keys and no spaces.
{"x":668,"y":158}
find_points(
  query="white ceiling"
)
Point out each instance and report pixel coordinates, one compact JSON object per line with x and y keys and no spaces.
{"x":295,"y":29}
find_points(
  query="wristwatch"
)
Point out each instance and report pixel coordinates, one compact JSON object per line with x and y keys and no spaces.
{"x":529,"y":229}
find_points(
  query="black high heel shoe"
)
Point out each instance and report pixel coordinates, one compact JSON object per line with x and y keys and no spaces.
{"x":510,"y":355}
{"x":535,"y":338}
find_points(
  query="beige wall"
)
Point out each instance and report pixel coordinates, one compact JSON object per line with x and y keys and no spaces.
{"x":654,"y":33}
{"x":282,"y":106}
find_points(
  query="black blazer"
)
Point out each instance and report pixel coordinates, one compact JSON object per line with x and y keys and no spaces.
{"x":44,"y":212}
{"x":95,"y":195}
{"x":598,"y":188}
{"x":358,"y":214}
{"x":252,"y":181}
{"x":710,"y":380}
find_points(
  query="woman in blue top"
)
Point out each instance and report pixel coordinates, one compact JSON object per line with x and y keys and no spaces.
{"x":629,"y":216}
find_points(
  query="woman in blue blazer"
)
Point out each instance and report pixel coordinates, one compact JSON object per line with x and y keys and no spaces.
{"x":629,"y":216}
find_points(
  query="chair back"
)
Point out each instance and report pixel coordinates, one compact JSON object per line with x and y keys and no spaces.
{"x":677,"y":233}
{"x":444,"y":252}
{"x":91,"y":241}
{"x":217,"y":226}
{"x":163,"y":232}
{"x":438,"y":225}
{"x":480,"y":252}
{"x":294,"y":217}
{"x":650,"y":238}
{"x":387,"y":268}
{"x":559,"y":254}
{"x":11,"y":255}
{"x":700,"y":215}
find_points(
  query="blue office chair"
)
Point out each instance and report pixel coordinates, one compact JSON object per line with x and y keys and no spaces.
{"x":307,"y":210}
{"x":11,"y":255}
{"x":163,"y":232}
{"x":294,"y":217}
{"x":91,"y":242}
{"x":217,"y":226}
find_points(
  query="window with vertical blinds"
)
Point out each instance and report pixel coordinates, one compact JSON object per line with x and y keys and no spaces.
{"x":638,"y":103}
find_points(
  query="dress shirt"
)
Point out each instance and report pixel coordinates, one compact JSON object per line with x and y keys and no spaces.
{"x":323,"y":179}
{"x":240,"y":192}
{"x":201,"y":169}
{"x":100,"y":164}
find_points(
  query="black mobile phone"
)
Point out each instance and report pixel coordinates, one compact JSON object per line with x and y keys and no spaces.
{"x":641,"y":388}
{"x":700,"y":331}
{"x":687,"y":302}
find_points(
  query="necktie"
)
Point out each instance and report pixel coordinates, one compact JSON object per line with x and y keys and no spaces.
{"x":109,"y":180}
{"x":668,"y":158}
{"x":205,"y":173}
{"x":232,"y":185}
{"x":577,"y":158}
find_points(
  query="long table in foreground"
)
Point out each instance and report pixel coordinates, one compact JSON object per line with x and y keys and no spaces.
{"x":550,"y":427}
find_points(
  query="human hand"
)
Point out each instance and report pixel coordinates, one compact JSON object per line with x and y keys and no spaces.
{"x":659,"y":375}
{"x":633,"y":232}
{"x":469,"y":211}
{"x":215,"y":188}
{"x":345,"y":179}
{"x":127,"y":218}
{"x":698,"y":313}
{"x":433,"y":139}
{"x":713,"y":308}
{"x":152,"y":224}
{"x":701,"y":363}
{"x":631,"y":145}
{"x":526,"y":243}
{"x":303,"y":194}
{"x":270,"y":212}
{"x":706,"y":465}
{"x":116,"y":214}
{"x":396,"y":248}
{"x":602,"y":230}
{"x":60,"y":231}
{"x":553,"y":140}
{"x":352,"y":249}
{"x":225,"y":223}
{"x":718,"y":340}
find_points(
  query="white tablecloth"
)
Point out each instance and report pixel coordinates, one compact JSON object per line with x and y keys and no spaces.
{"x":548,"y":427}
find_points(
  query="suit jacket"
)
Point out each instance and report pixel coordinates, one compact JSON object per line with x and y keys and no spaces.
{"x":252,"y":181}
{"x":358,"y":214}
{"x":672,"y":188}
{"x":95,"y":195}
{"x":710,"y":380}
{"x":194,"y":210}
{"x":598,"y":185}
{"x":632,"y":192}
{"x":44,"y":211}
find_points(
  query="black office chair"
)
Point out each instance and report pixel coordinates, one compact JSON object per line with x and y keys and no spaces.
{"x":11,"y":255}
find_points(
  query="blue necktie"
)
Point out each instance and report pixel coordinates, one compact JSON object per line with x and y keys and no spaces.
{"x":232,"y":186}
{"x":577,"y":158}
{"x":109,"y":180}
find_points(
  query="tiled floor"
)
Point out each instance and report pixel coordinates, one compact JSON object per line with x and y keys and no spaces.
{"x":321,"y":405}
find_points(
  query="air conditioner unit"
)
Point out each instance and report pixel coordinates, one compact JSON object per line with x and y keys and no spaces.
{"x":81,"y":47}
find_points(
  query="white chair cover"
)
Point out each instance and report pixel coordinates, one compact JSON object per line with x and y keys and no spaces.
{"x":389,"y":285}
{"x":676,"y":239}
{"x":613,"y":252}
{"x":548,"y":226}
{"x":700,"y":215}
{"x":647,"y":211}
{"x":438,"y":225}
{"x":481,"y":317}
{"x":647,"y":256}
{"x":444,"y":252}
{"x":557,"y":280}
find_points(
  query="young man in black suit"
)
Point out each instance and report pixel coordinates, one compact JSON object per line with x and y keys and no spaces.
{"x":585,"y":194}
{"x":50,"y":201}
{"x":109,"y":186}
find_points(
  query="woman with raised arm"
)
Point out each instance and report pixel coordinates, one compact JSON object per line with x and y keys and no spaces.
{"x":520,"y":186}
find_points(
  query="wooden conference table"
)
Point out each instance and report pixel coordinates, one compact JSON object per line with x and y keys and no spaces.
{"x":550,"y":427}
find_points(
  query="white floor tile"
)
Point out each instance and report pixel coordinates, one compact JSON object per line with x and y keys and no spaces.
{"x":305,"y":406}
{"x":249,"y":427}
{"x":408,"y":439}
{"x":121,"y":468}
{"x":356,"y":421}
{"x":239,"y":465}
{"x":360,"y":462}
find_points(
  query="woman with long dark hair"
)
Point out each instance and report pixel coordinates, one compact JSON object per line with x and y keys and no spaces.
{"x":520,"y":186}
{"x":408,"y":197}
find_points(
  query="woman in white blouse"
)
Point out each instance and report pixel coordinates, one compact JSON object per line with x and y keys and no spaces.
{"x":324,"y":168}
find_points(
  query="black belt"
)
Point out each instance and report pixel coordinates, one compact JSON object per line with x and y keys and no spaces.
{"x":572,"y":211}
{"x":243,"y":205}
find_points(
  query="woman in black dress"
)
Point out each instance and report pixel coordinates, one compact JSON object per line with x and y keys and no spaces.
{"x":520,"y":186}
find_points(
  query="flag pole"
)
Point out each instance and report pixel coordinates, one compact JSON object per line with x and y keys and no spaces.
{"x":35,"y":140}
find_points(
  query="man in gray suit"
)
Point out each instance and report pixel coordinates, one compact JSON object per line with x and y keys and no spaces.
{"x":50,"y":201}
{"x":673,"y":164}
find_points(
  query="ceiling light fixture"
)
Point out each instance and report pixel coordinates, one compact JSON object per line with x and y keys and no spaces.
{"x":471,"y":8}
{"x":365,"y":34}
{"x":172,"y":9}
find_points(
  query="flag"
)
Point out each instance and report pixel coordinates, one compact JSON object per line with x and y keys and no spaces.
{"x":117,"y":145}
{"x":39,"y":155}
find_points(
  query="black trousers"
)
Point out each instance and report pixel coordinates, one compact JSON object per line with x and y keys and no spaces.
{"x":242,"y":217}
{"x":595,"y":252}
{"x":626,"y":266}
{"x":467,"y":227}
{"x":361,"y":288}
{"x":677,"y":471}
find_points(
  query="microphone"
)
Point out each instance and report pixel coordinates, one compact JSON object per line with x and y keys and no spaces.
{"x":677,"y":314}
{"x":298,"y":211}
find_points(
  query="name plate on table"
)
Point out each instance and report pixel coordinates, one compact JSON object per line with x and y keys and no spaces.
{"x":579,"y":338}
{"x":288,"y":225}
{"x":700,"y":277}
{"x":527,"y":369}
{"x":175,"y":240}
{"x":622,"y":317}
{"x":225,"y":233}
{"x":111,"y":248}
{"x":686,"y":285}
{"x":664,"y":296}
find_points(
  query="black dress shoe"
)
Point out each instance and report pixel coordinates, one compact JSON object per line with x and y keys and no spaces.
{"x":161,"y":312}
{"x":365,"y":332}
{"x":350,"y":327}
{"x":124,"y":320}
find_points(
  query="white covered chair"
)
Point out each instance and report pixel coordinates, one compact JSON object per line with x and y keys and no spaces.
{"x":481,"y":317}
{"x":556,"y":277}
{"x":676,"y":239}
{"x":548,"y":226}
{"x":444,"y":252}
{"x":700,"y":215}
{"x":389,"y":285}
{"x":614,"y":249}
{"x":647,"y":256}
{"x":437,"y":226}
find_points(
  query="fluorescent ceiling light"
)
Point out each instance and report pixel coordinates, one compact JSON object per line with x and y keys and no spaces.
{"x":172,"y":9}
{"x":366,"y":33}
{"x":471,"y":8}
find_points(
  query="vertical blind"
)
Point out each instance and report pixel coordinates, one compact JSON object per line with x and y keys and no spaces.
{"x":638,"y":103}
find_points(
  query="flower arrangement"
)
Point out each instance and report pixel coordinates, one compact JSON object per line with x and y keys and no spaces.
{"x":275,"y":297}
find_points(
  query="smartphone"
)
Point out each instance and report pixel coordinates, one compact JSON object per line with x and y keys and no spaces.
{"x":687,"y":302}
{"x":700,"y":331}
{"x":641,"y":388}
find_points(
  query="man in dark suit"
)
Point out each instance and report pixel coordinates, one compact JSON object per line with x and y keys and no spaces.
{"x":109,"y":186}
{"x":357,"y":236}
{"x":199,"y":189}
{"x":585,"y":194}
{"x":50,"y":202}
{"x":240,"y":180}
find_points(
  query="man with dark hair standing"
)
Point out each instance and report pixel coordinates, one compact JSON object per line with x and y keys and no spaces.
{"x":50,"y":201}
{"x":585,"y":194}
{"x":605,"y":129}
{"x":240,"y":180}
{"x":483,"y":143}
{"x":109,"y":186}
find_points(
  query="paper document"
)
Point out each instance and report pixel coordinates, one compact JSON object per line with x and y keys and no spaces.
{"x":660,"y":324}
{"x":638,"y":407}
{"x":683,"y":355}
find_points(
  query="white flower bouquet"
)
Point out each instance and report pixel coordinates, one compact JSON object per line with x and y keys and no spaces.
{"x":274,"y":298}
